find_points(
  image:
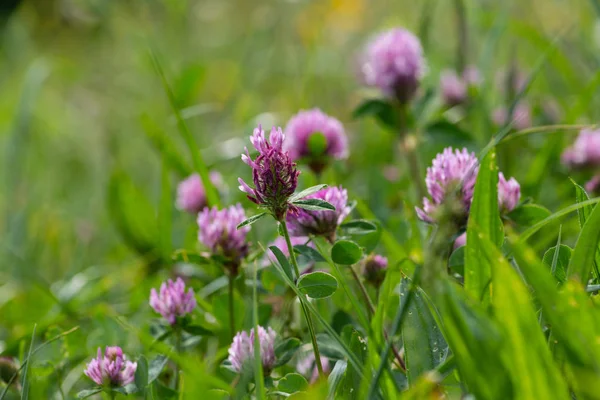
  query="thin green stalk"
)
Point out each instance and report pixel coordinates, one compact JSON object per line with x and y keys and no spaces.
{"x":259,"y":376}
{"x":198,"y":162}
{"x":462,"y":47}
{"x":231,"y":305}
{"x":408,"y":147}
{"x":302,"y":299}
{"x":371,"y":309}
{"x":363,"y":290}
{"x":396,"y":324}
{"x":112,"y":395}
{"x":25,"y":362}
{"x":178,"y":351}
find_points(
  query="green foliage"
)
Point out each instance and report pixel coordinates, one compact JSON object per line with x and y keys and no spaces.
{"x":317,"y":285}
{"x":346,"y":252}
{"x":102,"y":121}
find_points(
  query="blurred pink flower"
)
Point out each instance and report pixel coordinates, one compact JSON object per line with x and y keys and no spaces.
{"x":112,"y":369}
{"x":393,"y":62}
{"x":173,"y":301}
{"x":191,"y":196}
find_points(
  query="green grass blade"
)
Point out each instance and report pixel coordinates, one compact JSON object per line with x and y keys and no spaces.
{"x":25,"y":383}
{"x":212,"y":195}
{"x":483,"y":217}
{"x":533,"y":372}
{"x":259,"y":380}
{"x":554,"y":217}
{"x":584,"y":253}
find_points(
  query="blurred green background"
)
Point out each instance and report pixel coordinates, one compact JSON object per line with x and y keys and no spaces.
{"x":78,"y":93}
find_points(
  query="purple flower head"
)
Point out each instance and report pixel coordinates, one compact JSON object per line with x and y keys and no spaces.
{"x":593,"y":185}
{"x":472,"y":76}
{"x":274,"y":174}
{"x":112,"y":369}
{"x":191,"y":196}
{"x":454,"y":89}
{"x":449,"y":170}
{"x":217,"y":230}
{"x":374,"y":269}
{"x":321,"y":223}
{"x":394,"y":63}
{"x":301,"y":144}
{"x":521,"y":116}
{"x":306,"y":366}
{"x":585,"y":152}
{"x":241,"y":352}
{"x":509,"y":193}
{"x":173,"y":301}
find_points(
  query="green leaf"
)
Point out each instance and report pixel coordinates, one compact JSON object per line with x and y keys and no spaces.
{"x":25,"y":383}
{"x":580,"y":196}
{"x":84,"y":394}
{"x":156,"y":366}
{"x":309,"y":252}
{"x":164,"y":392}
{"x":307,"y":192}
{"x":443,"y":133}
{"x":345,"y":252}
{"x":189,"y":257}
{"x":554,"y":217}
{"x":125,"y":390}
{"x":558,"y":262}
{"x":456,"y":263}
{"x":359,"y":227}
{"x":317,"y":285}
{"x":525,"y":351}
{"x":285,"y":350}
{"x":292,"y":383}
{"x":283,"y":261}
{"x":574,"y":319}
{"x":335,"y":377}
{"x":350,"y":386}
{"x":584,"y":213}
{"x":474,"y":339}
{"x":484,"y":217}
{"x":251,"y":220}
{"x":528,"y":214}
{"x":133,"y":215}
{"x":141,"y":373}
{"x":584,"y":253}
{"x":314,"y":205}
{"x":382,"y":110}
{"x":424,"y":344}
{"x":197,"y":330}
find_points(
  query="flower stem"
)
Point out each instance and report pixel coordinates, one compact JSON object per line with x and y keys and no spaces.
{"x":363,"y":290}
{"x":302,"y":299}
{"x":462,"y":33}
{"x":231,"y":305}
{"x":178,"y":339}
{"x":371,"y":309}
{"x":408,"y":146}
